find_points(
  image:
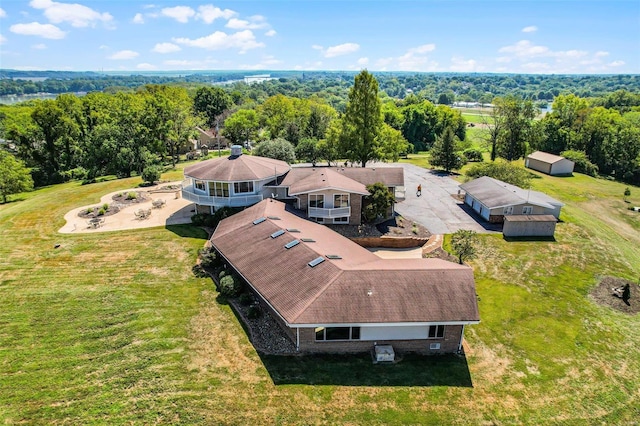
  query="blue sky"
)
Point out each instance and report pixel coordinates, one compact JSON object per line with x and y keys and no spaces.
{"x":517,"y":36}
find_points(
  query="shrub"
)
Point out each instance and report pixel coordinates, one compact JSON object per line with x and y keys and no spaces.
{"x":101,"y":212}
{"x":198,"y":271}
{"x":502,"y":170}
{"x":222,"y":274}
{"x":254,"y":311}
{"x":473,"y":155}
{"x":209,"y":258}
{"x":151,"y":174}
{"x":132,"y":195}
{"x":582,"y":163}
{"x":245,"y":299}
{"x":105,"y":207}
{"x":211,"y":221}
{"x":89,"y":210}
{"x":229,"y":286}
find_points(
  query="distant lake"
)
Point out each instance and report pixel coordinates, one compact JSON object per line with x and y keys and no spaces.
{"x":14,"y":99}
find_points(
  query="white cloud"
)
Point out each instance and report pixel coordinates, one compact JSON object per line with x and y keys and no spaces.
{"x":145,"y":66}
{"x":363,"y":61}
{"x":39,"y":46}
{"x":138,"y":19}
{"x":600,"y":54}
{"x":616,"y":64}
{"x":341,"y":49}
{"x":103,"y":47}
{"x":124,"y":54}
{"x":74,"y":13}
{"x":317,"y":47}
{"x":37,"y":29}
{"x":243,"y":40}
{"x":270,"y":33}
{"x":2,"y":13}
{"x":166,"y":48}
{"x":459,"y":64}
{"x":414,"y":59}
{"x":425,"y":48}
{"x":530,"y":29}
{"x":266,"y":63}
{"x":3,"y":39}
{"x":179,"y":13}
{"x":209,"y":13}
{"x":190,"y":64}
{"x":524,"y":48}
{"x":254,"y":23}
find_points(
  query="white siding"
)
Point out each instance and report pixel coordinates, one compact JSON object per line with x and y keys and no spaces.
{"x":562,"y":167}
{"x":394,"y":333}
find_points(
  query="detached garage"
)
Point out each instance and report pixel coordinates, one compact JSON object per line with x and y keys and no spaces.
{"x":543,"y":225}
{"x":550,"y":164}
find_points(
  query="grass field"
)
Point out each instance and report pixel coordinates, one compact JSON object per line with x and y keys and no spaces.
{"x":113,"y":328}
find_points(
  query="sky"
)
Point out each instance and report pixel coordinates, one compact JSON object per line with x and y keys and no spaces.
{"x":507,"y":36}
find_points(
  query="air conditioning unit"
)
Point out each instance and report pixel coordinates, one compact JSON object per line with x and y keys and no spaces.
{"x":384,"y":353}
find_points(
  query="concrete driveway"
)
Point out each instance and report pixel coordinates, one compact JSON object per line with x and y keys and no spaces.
{"x":436,"y":208}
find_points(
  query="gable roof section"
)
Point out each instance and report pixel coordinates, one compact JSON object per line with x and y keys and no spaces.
{"x":237,"y":168}
{"x":494,"y":193}
{"x":326,"y":178}
{"x":546,"y":157}
{"x":358,"y":288}
{"x":389,"y":176}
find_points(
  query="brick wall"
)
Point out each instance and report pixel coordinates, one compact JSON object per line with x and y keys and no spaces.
{"x":356,"y":209}
{"x":448,"y":344}
{"x":390,"y":242}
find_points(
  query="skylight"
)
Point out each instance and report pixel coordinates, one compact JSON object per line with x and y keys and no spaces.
{"x":259,"y":220}
{"x":292,"y":244}
{"x":277,"y":233}
{"x":316,"y":261}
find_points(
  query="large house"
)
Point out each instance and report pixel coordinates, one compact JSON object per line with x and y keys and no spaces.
{"x":550,"y":164}
{"x":493,"y":200}
{"x":331,"y":295}
{"x":330,"y":195}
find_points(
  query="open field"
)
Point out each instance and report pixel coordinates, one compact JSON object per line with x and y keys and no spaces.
{"x":113,"y":328}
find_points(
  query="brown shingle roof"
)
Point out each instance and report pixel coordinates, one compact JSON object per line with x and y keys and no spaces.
{"x":326,"y":178}
{"x":237,"y":168}
{"x":545,"y":157}
{"x":359,"y":288}
{"x":390,"y":176}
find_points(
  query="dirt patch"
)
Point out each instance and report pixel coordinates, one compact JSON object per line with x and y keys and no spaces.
{"x":440,"y":253}
{"x":603,"y":294}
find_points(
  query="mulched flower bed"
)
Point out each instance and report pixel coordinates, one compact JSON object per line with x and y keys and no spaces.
{"x":602,"y":294}
{"x":124,"y":198}
{"x":92,"y":212}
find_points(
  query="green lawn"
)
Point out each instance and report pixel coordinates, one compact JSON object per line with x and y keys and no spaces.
{"x":113,"y":328}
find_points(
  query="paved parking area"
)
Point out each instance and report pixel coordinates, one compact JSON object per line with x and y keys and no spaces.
{"x":437,"y":209}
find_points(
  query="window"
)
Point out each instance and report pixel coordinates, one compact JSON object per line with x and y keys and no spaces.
{"x":337,"y":333}
{"x":340,"y":200}
{"x":219,"y":189}
{"x":508,"y":210}
{"x":242,"y":187}
{"x":436,"y":331}
{"x":199,"y":184}
{"x":316,"y":200}
{"x":527,"y":209}
{"x":341,"y":219}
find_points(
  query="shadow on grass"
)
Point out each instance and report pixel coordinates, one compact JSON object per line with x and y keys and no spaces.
{"x":358,"y":370}
{"x":521,"y":239}
{"x":188,"y":231}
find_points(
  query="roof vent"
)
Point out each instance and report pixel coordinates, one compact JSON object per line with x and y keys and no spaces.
{"x":277,"y":233}
{"x":293,"y":230}
{"x":273,"y":217}
{"x":316,"y":261}
{"x":333,"y":256}
{"x":308,"y":240}
{"x":236,"y":150}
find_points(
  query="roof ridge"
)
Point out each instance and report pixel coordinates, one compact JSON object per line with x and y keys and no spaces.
{"x":317,"y":295}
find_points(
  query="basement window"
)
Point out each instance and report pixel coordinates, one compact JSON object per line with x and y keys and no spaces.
{"x":436,"y":331}
{"x":324,"y":334}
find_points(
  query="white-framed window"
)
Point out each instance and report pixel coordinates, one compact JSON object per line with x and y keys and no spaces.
{"x":436,"y":331}
{"x":324,"y":334}
{"x":199,"y":185}
{"x":316,"y":200}
{"x":508,"y":210}
{"x":242,"y":187}
{"x":527,"y":209}
{"x":219,"y":189}
{"x":342,"y":220}
{"x":340,"y":200}
{"x":434,"y":346}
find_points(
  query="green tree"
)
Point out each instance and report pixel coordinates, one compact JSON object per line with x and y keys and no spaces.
{"x":377,"y":203}
{"x":279,"y":149}
{"x":502,"y":170}
{"x":151,"y":173}
{"x":391,"y":144}
{"x":515,"y":116}
{"x":211,"y":102}
{"x":14,"y":176}
{"x":241,"y":126}
{"x":463,"y":244}
{"x":443,"y":153}
{"x":307,"y":150}
{"x":627,"y":193}
{"x":420,"y":125}
{"x":320,"y":117}
{"x":362,"y":121}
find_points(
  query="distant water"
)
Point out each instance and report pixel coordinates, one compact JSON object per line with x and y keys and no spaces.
{"x":14,"y":99}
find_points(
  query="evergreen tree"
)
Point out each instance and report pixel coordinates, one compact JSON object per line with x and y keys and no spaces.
{"x":443,"y":153}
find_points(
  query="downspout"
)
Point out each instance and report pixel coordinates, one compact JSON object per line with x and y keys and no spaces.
{"x":461,"y":337}
{"x":298,"y":339}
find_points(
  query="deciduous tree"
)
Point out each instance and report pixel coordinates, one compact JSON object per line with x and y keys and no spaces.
{"x":463,"y":243}
{"x":14,"y":176}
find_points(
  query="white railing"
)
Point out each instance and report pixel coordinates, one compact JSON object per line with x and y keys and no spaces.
{"x":233,"y":201}
{"x":329,"y":213}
